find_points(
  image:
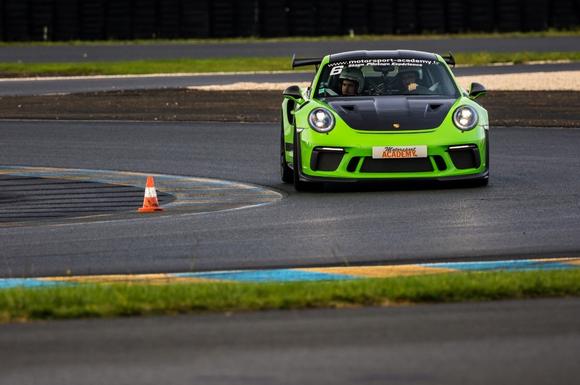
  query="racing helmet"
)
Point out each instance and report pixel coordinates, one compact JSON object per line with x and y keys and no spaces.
{"x":354,"y":74}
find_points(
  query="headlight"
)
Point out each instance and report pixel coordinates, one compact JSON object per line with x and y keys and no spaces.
{"x":321,"y":120}
{"x":465,"y":118}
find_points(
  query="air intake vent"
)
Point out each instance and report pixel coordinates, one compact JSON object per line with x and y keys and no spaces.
{"x":440,"y":162}
{"x":352,"y":165}
{"x":397,"y":165}
{"x":326,"y":160}
{"x":465,"y":157}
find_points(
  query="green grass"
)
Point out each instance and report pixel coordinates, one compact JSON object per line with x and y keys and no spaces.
{"x":483,"y":58}
{"x":82,"y":301}
{"x":482,"y":35}
{"x":235,"y":64}
{"x":145,"y":67}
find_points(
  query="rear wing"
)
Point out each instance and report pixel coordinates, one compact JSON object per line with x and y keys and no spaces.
{"x":449,"y":59}
{"x":302,"y":62}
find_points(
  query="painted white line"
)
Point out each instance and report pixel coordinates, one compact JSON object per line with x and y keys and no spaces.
{"x":240,"y":195}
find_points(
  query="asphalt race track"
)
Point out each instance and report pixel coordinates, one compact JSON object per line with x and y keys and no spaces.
{"x":512,"y":342}
{"x":114,"y":52}
{"x":37,"y":195}
{"x":531,"y":208}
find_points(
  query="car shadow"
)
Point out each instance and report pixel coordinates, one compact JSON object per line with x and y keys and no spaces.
{"x":386,"y":186}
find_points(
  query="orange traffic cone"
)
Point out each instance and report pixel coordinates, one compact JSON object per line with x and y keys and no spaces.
{"x":150,"y":203}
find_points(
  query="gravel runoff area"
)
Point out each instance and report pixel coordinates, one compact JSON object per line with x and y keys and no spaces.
{"x":506,"y":108}
{"x":529,"y":81}
{"x":546,"y":99}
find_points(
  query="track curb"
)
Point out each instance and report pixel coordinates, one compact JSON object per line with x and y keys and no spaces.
{"x":193,"y":195}
{"x":299,"y":274}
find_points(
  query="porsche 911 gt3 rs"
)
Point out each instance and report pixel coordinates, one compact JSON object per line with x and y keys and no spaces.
{"x":383,"y":115}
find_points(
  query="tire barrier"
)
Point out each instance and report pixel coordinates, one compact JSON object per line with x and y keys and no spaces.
{"x":61,"y":20}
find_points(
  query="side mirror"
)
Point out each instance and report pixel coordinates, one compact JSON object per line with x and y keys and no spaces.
{"x":476,"y":90}
{"x":293,"y":92}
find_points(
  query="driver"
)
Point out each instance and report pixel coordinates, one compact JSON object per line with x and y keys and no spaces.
{"x":408,"y":79}
{"x":351,"y":81}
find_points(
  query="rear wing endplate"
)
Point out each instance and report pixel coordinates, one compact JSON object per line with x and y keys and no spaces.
{"x":450,"y":60}
{"x":301,"y":62}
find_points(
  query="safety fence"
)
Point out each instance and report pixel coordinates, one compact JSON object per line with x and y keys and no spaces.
{"x":55,"y":20}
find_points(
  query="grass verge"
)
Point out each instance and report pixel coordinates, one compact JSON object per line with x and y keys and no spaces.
{"x":112,"y":300}
{"x":239,"y":64}
{"x":141,"y":67}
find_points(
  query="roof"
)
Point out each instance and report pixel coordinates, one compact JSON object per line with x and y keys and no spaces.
{"x":383,"y":54}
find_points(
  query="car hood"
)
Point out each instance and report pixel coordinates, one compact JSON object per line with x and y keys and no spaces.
{"x":392,"y":113}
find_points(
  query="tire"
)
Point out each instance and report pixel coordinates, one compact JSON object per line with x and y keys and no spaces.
{"x":298,"y":184}
{"x":286,"y":173}
{"x":482,"y":182}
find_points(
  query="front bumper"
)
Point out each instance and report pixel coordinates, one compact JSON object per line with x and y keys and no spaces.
{"x":459,"y":156}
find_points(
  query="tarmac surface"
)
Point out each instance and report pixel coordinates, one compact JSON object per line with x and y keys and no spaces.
{"x":31,"y":195}
{"x":512,"y":342}
{"x":116,"y":52}
{"x":530,"y":209}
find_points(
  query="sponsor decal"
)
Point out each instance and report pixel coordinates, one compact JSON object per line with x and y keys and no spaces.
{"x":336,"y":70}
{"x":379,"y":62}
{"x":399,"y":152}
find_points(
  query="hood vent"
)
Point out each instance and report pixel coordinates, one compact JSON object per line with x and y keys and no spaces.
{"x":392,"y":113}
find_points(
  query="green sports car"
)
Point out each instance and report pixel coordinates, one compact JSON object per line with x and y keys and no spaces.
{"x":383,"y":115}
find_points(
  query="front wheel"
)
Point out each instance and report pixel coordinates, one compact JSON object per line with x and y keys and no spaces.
{"x":298,"y":184}
{"x":286,"y":173}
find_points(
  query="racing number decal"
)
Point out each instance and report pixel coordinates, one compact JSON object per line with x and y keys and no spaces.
{"x":336,"y":70}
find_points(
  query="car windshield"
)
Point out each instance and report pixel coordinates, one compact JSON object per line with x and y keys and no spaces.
{"x":378,"y":77}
